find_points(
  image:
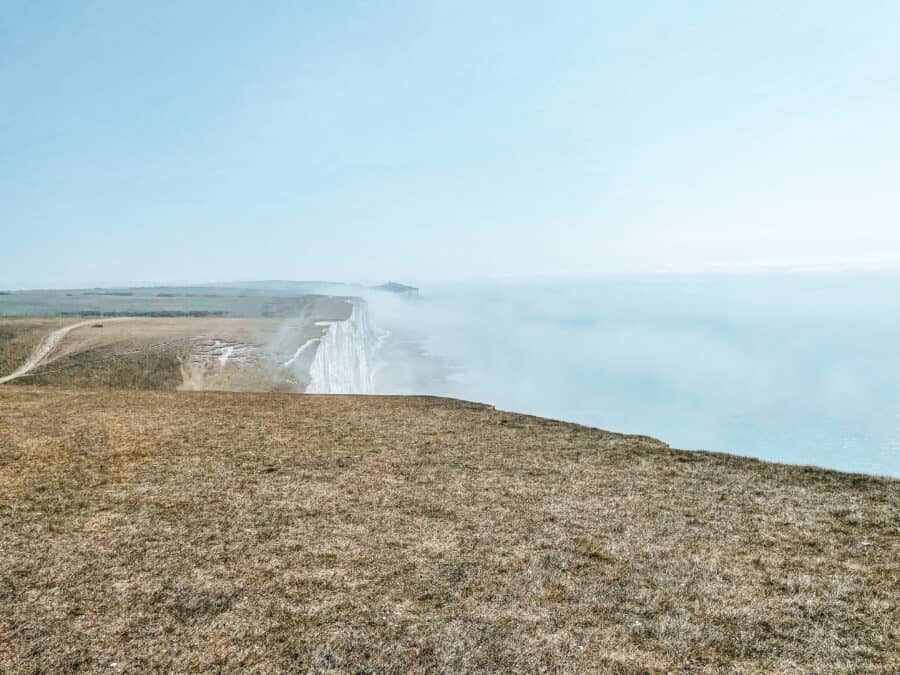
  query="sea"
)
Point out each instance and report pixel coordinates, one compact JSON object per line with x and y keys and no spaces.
{"x":799,"y":367}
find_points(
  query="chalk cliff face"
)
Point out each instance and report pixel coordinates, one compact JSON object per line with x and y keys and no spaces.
{"x":345,"y":357}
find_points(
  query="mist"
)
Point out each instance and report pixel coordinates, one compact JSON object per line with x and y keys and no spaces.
{"x":798,"y":368}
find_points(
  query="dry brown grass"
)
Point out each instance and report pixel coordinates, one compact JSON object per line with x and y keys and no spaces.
{"x":153,"y":353}
{"x":114,"y":366}
{"x":270,"y":533}
{"x":19,"y":337}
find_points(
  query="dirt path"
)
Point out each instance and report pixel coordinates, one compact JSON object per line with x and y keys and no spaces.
{"x":47,"y":345}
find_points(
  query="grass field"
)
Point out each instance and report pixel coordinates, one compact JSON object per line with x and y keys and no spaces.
{"x":167,"y":352}
{"x":19,"y":337}
{"x":89,"y":357}
{"x":107,"y":367}
{"x":235,"y":301}
{"x":195,"y":532}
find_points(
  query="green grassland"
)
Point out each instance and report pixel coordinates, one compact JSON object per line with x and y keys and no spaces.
{"x":159,"y":301}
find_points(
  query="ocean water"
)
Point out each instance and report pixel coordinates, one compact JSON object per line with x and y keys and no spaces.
{"x":800,"y":368}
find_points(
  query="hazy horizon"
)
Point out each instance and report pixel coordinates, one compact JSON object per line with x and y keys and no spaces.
{"x":760,"y":270}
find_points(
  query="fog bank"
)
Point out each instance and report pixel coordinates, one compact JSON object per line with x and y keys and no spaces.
{"x":793,"y":368}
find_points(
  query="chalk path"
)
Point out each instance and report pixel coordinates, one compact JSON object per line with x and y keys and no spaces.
{"x":47,"y":345}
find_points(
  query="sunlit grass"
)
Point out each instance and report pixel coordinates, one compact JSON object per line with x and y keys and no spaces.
{"x":274,"y":532}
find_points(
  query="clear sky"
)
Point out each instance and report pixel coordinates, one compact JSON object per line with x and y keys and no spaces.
{"x":194,"y":141}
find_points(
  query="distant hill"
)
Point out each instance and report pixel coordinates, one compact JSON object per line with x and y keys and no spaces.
{"x":277,"y":286}
{"x":400,"y":289}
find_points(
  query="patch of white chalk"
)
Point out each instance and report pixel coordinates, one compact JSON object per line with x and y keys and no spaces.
{"x":302,"y":348}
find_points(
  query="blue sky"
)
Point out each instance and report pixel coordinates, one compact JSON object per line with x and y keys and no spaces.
{"x":157,"y":142}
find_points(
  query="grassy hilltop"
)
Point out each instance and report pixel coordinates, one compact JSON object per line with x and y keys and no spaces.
{"x":268,"y":532}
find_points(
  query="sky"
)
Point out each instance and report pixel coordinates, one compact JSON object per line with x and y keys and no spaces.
{"x":419,"y":141}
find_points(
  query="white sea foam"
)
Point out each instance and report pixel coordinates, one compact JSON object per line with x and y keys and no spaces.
{"x":345,"y":360}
